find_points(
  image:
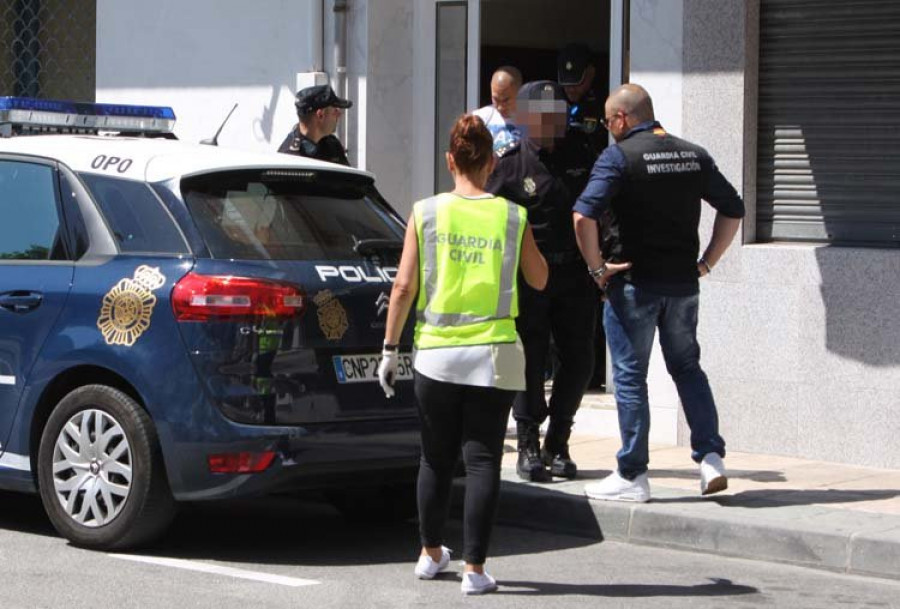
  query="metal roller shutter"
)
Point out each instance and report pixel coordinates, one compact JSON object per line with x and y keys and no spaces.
{"x":829,"y":122}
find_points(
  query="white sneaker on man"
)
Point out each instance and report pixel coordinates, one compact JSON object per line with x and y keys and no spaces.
{"x":616,"y":488}
{"x":426,"y":568}
{"x":712,"y":474}
{"x":477,"y":583}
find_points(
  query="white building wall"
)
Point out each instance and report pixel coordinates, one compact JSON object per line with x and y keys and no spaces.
{"x":656,"y":56}
{"x":390,"y":92}
{"x":656,"y":64}
{"x":202,"y":56}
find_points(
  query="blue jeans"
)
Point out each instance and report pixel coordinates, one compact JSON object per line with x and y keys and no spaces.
{"x":631,"y":316}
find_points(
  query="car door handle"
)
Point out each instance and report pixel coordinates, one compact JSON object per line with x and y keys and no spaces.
{"x":21,"y":302}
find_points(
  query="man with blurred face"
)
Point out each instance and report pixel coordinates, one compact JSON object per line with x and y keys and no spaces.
{"x":498,"y":117}
{"x":545,"y":174}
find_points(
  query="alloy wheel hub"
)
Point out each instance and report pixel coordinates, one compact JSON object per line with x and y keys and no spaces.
{"x":92,"y":468}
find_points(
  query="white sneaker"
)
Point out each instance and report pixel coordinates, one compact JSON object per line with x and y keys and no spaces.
{"x":478,"y":583}
{"x":712,"y":474}
{"x":426,"y":568}
{"x":616,"y":488}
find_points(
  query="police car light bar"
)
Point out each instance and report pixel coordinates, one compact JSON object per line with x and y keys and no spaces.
{"x":26,"y":115}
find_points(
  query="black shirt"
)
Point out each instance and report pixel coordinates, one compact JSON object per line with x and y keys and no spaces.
{"x":653,"y":182}
{"x":546,"y":183}
{"x":328,"y":148}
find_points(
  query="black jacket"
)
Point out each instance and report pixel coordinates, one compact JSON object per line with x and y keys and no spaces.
{"x":546,"y":183}
{"x":328,"y":148}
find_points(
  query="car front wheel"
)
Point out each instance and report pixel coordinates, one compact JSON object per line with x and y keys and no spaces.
{"x":100,"y":471}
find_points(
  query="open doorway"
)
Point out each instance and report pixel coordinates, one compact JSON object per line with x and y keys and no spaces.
{"x":528,"y":34}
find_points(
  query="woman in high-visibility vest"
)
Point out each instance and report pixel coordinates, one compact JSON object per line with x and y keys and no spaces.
{"x":462,"y":254}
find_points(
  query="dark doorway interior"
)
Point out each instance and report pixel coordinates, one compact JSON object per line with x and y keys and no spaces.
{"x":529,"y":33}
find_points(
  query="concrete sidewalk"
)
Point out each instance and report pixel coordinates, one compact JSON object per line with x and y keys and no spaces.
{"x":810,"y":513}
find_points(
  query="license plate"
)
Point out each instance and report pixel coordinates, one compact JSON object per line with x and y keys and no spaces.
{"x":364,"y":368}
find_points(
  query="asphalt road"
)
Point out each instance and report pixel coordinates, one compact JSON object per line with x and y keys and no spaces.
{"x":283,"y":552}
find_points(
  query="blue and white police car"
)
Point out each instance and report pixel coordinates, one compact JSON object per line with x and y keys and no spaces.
{"x":181,"y":322}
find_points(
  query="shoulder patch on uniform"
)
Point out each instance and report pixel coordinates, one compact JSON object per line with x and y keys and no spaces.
{"x":529,"y":186}
{"x":506,"y":149}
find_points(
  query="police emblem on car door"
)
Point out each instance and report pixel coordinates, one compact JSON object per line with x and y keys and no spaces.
{"x":332,"y":316}
{"x":127,"y":307}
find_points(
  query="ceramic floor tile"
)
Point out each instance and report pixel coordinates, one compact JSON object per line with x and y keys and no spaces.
{"x":741,"y":460}
{"x":883,"y":480}
{"x":875,"y":506}
{"x":753,"y":478}
{"x":677,"y":458}
{"x":815,"y":475}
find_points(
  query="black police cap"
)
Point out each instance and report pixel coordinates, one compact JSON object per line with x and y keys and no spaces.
{"x":571,"y":63}
{"x":546,"y":95}
{"x":311,"y":99}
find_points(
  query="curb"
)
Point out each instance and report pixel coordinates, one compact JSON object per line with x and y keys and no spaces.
{"x":758,"y":528}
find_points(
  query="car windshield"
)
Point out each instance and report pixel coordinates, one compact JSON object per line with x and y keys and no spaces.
{"x":290,"y":215}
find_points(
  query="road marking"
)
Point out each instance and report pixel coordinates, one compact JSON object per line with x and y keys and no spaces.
{"x":190,"y":565}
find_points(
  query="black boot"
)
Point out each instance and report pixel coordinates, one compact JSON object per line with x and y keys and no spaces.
{"x":555,"y":453}
{"x":529,"y":466}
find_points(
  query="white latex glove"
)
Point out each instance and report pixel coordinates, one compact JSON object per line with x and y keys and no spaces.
{"x":387,"y":371}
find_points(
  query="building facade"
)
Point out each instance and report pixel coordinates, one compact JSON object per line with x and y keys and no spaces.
{"x":796,"y":100}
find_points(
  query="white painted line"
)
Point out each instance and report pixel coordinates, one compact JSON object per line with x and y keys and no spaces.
{"x":190,"y":565}
{"x":14,"y":461}
{"x":5,"y":379}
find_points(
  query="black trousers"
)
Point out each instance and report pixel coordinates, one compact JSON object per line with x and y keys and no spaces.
{"x":567,"y":311}
{"x":475,"y":419}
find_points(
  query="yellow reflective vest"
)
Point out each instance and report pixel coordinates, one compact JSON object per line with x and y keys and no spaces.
{"x":468,"y":263}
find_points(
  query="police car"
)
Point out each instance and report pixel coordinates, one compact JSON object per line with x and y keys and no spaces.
{"x":181,"y":322}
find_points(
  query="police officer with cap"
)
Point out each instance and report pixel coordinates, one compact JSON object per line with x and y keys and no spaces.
{"x":576,"y":73}
{"x":545,"y":172}
{"x":318,"y":109}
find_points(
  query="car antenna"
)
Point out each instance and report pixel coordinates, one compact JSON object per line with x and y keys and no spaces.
{"x":214,"y":140}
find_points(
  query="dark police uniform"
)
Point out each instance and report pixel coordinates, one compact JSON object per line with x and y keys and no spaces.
{"x":584,"y":115}
{"x":328,"y":148}
{"x":585,"y":121}
{"x":584,"y":125}
{"x":547,"y":183}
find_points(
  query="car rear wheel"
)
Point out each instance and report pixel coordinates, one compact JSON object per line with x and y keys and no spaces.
{"x":100,"y":471}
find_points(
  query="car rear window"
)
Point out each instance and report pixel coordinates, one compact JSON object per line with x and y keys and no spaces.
{"x":138,"y":220}
{"x":289,"y":215}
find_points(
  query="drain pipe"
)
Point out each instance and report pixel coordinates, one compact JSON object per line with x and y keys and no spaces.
{"x":316,"y":39}
{"x":340,"y":59}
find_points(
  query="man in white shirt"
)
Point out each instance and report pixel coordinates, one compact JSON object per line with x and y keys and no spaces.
{"x":505,"y":84}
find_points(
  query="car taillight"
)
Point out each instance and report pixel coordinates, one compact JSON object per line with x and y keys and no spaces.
{"x":222,"y":298}
{"x":240,"y":463}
